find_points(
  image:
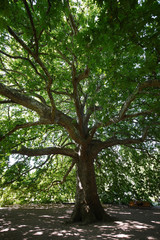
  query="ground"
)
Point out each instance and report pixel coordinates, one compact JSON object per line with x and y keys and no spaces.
{"x":49,"y":222}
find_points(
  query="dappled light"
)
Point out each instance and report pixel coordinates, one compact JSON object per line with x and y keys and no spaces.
{"x":133,"y":225}
{"x":50,"y":222}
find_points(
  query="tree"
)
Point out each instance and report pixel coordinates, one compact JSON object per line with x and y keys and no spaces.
{"x":78,"y":78}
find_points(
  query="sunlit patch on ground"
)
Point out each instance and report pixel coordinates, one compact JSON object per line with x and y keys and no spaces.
{"x":116,"y":236}
{"x":126,"y":226}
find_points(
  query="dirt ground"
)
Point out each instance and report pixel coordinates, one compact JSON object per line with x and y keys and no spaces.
{"x":49,"y":222}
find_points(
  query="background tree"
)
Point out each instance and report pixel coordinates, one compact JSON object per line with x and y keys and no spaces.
{"x":77,"y":79}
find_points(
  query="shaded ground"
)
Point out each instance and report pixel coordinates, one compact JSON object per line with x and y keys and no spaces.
{"x":48,"y":222}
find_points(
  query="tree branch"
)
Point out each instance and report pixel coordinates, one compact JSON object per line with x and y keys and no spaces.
{"x":40,"y":97}
{"x":71,"y":19}
{"x":136,"y":115}
{"x":51,"y":99}
{"x":44,"y":111}
{"x":22,"y":43}
{"x":49,"y":7}
{"x":115,"y":141}
{"x":23,"y":58}
{"x":64,"y":57}
{"x":46,"y":151}
{"x":122,"y":116}
{"x":63,"y":93}
{"x":90,"y":111}
{"x":16,"y":96}
{"x":70,"y":125}
{"x":37,"y":59}
{"x":115,"y":120}
{"x":152,"y":83}
{"x":20,"y":126}
{"x":6,"y":101}
{"x":93,"y":131}
{"x":15,"y":71}
{"x":78,"y":106}
{"x":32,"y":24}
{"x":68,"y":172}
{"x":83,"y":75}
{"x":56,"y":182}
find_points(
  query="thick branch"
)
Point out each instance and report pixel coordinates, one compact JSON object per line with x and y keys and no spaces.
{"x":78,"y":105}
{"x":26,"y":101}
{"x":46,"y":151}
{"x":42,"y":110}
{"x":6,"y":101}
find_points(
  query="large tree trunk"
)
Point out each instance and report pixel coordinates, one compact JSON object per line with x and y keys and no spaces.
{"x":87,"y":206}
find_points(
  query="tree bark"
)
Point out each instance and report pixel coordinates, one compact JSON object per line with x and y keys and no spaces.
{"x":87,"y":208}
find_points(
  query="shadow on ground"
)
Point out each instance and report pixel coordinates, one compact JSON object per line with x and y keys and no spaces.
{"x":48,"y":222}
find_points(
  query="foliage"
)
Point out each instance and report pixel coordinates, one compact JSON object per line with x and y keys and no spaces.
{"x":127,"y":175}
{"x":37,"y":182}
{"x":75,"y":74}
